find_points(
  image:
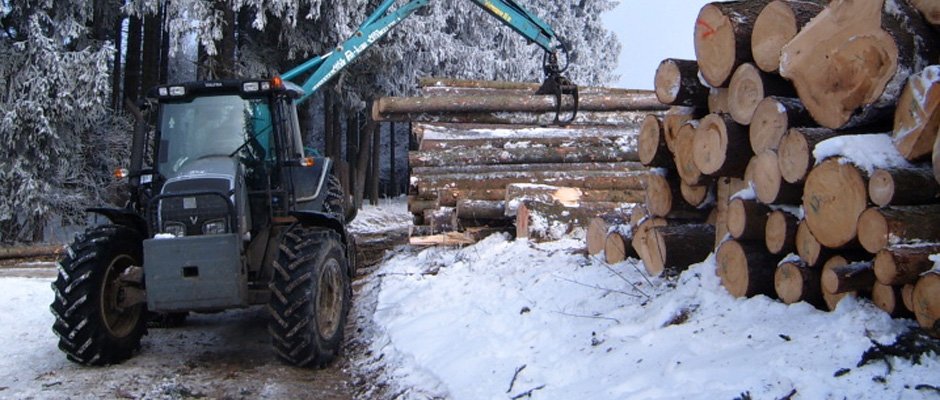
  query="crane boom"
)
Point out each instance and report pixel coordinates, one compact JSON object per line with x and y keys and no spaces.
{"x":323,"y":68}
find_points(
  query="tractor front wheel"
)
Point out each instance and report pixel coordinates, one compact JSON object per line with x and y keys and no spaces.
{"x":310,"y":297}
{"x":99,"y":305}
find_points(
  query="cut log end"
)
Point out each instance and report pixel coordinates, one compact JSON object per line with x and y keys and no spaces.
{"x":615,"y":248}
{"x":794,"y":156}
{"x":808,"y":248}
{"x":685,"y":154}
{"x":926,"y":301}
{"x":651,"y":144}
{"x":834,"y":196}
{"x":780,"y":232}
{"x":794,"y":282}
{"x":881,"y":188}
{"x":849,"y":277}
{"x":888,"y":299}
{"x":774,"y":27}
{"x":745,"y":271}
{"x":872,"y":230}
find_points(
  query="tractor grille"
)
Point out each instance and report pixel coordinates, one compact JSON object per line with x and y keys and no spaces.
{"x":195,"y":210}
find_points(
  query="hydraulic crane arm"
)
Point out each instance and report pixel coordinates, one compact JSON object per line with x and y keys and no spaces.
{"x":323,"y":68}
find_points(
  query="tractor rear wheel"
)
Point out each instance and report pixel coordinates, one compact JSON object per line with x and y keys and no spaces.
{"x":99,"y":310}
{"x":310,"y":297}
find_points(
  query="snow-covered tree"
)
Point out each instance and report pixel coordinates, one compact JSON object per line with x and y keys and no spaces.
{"x":57,"y":133}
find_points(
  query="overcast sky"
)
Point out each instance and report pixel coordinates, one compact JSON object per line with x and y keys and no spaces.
{"x":650,"y":31}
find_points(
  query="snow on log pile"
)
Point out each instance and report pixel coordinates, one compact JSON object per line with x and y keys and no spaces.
{"x":780,"y":154}
{"x":484,"y":157}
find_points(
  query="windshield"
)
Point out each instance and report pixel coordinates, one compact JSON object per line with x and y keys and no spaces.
{"x":212,"y":126}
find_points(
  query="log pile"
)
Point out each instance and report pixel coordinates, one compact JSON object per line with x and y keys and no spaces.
{"x":784,"y":124}
{"x":482,"y":158}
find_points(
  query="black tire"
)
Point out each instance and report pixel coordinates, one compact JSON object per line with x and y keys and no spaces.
{"x":310,"y":297}
{"x":337,"y":202}
{"x":92,"y":328}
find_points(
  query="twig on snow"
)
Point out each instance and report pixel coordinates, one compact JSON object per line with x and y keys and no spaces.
{"x":588,"y":316}
{"x":597,"y":287}
{"x":527,"y":393}
{"x":514,"y":376}
{"x":633,"y":285}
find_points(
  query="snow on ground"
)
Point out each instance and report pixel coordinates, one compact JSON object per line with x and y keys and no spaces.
{"x":501,"y":318}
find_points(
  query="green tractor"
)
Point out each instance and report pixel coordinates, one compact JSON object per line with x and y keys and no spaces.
{"x":231,"y":212}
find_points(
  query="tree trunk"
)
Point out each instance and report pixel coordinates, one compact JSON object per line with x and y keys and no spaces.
{"x":844,"y":62}
{"x":917,"y":117}
{"x":153,"y":27}
{"x":780,"y":232}
{"x":117,"y":28}
{"x":903,"y":264}
{"x":795,"y":153}
{"x":720,"y":146}
{"x":354,"y":150}
{"x":652,"y":150}
{"x":132,"y":63}
{"x":391,"y":107}
{"x":772,"y":118}
{"x":746,"y":269}
{"x":528,"y":155}
{"x":605,"y":180}
{"x":832,"y":299}
{"x":834,"y":197}
{"x":684,"y":154}
{"x":776,"y":25}
{"x":362,"y":164}
{"x":850,"y":277}
{"x":794,"y":282}
{"x":903,"y":186}
{"x":749,"y":86}
{"x":521,"y":168}
{"x":768,"y":184}
{"x":926,"y":302}
{"x":881,"y":227}
{"x":674,"y":248}
{"x":809,"y":249}
{"x":599,"y":227}
{"x":747,"y":219}
{"x":677,"y":83}
{"x":930,"y":9}
{"x":888,"y":298}
{"x":723,"y":38}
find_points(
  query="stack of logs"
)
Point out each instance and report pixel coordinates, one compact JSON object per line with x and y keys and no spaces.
{"x":485,"y":158}
{"x":781,"y":157}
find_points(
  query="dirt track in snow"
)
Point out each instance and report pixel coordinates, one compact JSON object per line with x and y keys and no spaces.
{"x":219,"y":356}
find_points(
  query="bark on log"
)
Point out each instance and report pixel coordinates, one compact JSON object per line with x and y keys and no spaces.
{"x":747,"y":219}
{"x":664,"y":196}
{"x":775,"y":26}
{"x":768,"y":183}
{"x":720,"y":146}
{"x":540,"y":221}
{"x":684,"y":154}
{"x":574,"y":140}
{"x":495,"y":133}
{"x":881,"y":227}
{"x":531,"y":87}
{"x":780,"y":232}
{"x":795,"y":152}
{"x":888,"y":298}
{"x":808,"y":248}
{"x":832,"y":300}
{"x":674,"y":248}
{"x":917,"y":117}
{"x":642,"y":233}
{"x":677,"y":83}
{"x":850,"y":277}
{"x":833,"y":198}
{"x":903,"y":264}
{"x":387,"y":107}
{"x":794,"y":282}
{"x":746,"y":269}
{"x":848,"y":63}
{"x":526,"y":155}
{"x":718,"y":101}
{"x":486,"y":210}
{"x":523,"y":168}
{"x":599,"y":227}
{"x":903,"y":186}
{"x":772,"y":118}
{"x":617,"y":247}
{"x":31,"y":251}
{"x":518,"y":192}
{"x":749,"y":86}
{"x":449,"y":197}
{"x":651,"y":144}
{"x":418,"y":205}
{"x":926,"y":301}
{"x":600,"y":180}
{"x":723,"y":38}
{"x":930,"y":9}
{"x":584,"y":118}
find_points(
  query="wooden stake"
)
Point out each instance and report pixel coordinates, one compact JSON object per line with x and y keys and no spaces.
{"x":903,"y":264}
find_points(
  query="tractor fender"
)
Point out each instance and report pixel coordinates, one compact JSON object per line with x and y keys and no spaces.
{"x":316,"y":218}
{"x":123,"y":217}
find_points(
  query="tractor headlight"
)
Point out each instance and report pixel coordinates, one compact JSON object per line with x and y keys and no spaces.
{"x":174,"y":228}
{"x":214,"y":227}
